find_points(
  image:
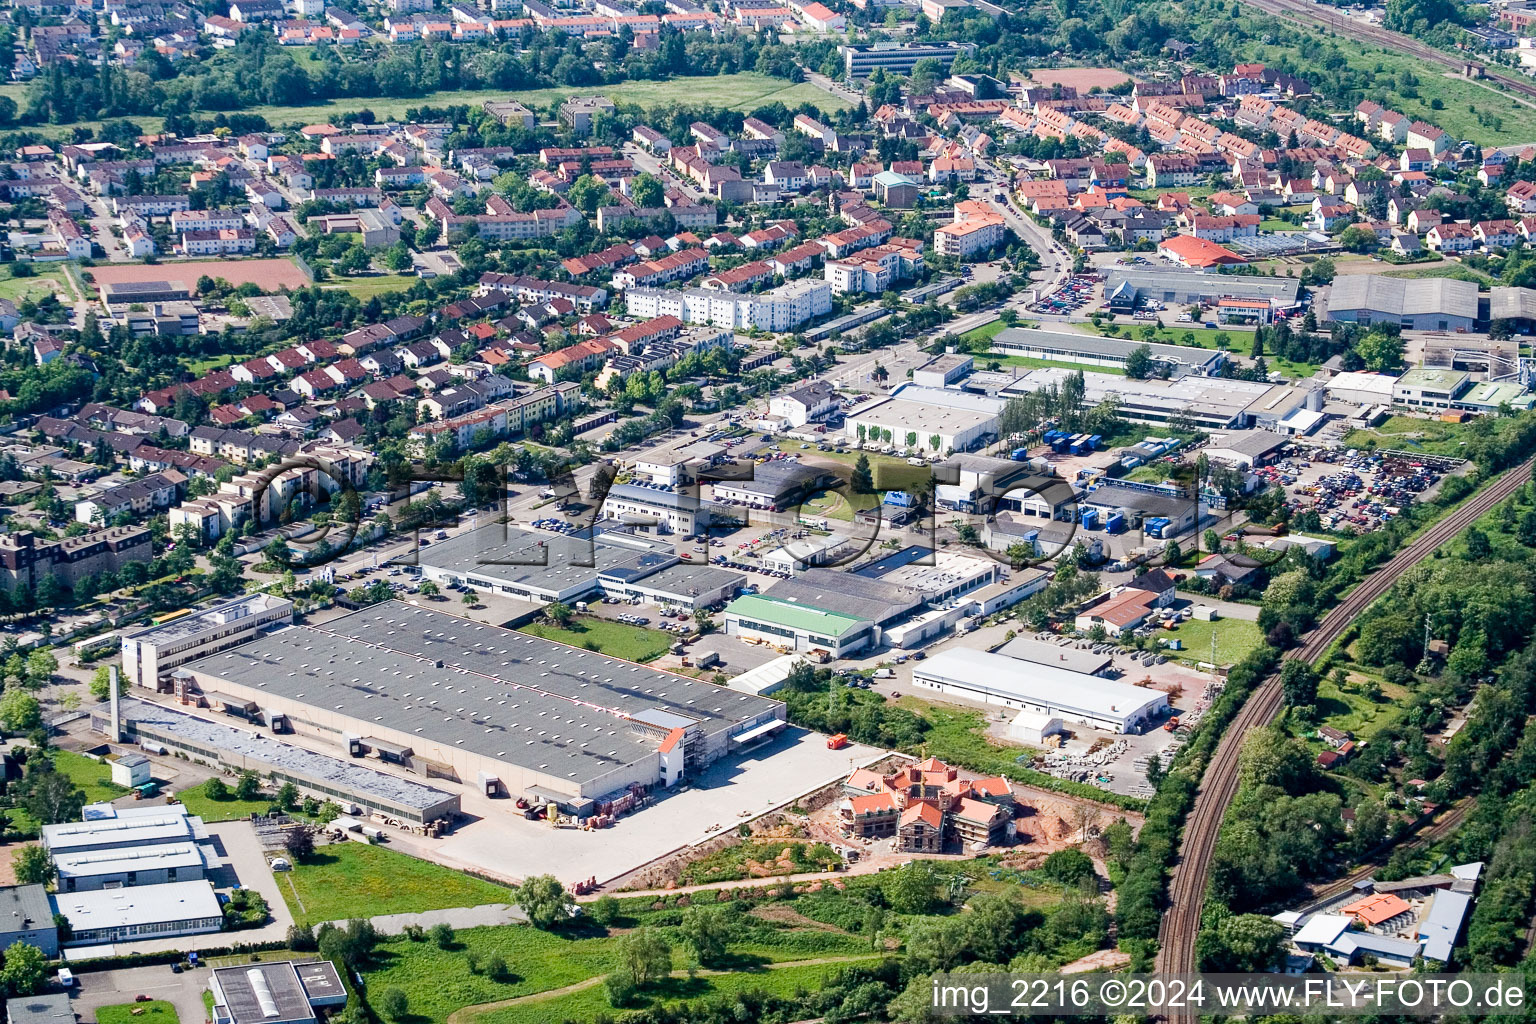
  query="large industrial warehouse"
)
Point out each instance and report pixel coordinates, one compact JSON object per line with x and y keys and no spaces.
{"x":1421,"y":304}
{"x":510,"y":713}
{"x":1071,"y":696}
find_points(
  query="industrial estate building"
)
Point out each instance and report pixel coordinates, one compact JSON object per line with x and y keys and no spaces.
{"x":1421,"y":304}
{"x":140,"y":912}
{"x":1092,"y":350}
{"x":546,"y":567}
{"x":507,"y":712}
{"x":282,"y":992}
{"x":1072,"y":696}
{"x":1127,"y":287}
{"x":26,"y":916}
{"x":119,"y":868}
{"x":899,"y":58}
{"x":155,"y":725}
{"x":154,"y":651}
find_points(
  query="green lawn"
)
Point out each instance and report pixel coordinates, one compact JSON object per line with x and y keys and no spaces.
{"x":47,"y":280}
{"x":367,"y":286}
{"x":958,"y":736}
{"x":355,"y":879}
{"x":198,"y":802}
{"x":615,"y":639}
{"x":156,"y":1011}
{"x":1238,"y":339}
{"x":91,"y":775}
{"x":1458,"y":271}
{"x":1410,"y":433}
{"x":745,"y":91}
{"x":986,"y":332}
{"x":835,"y":505}
{"x":591,"y":1003}
{"x":1234,"y":639}
{"x":1355,"y":711}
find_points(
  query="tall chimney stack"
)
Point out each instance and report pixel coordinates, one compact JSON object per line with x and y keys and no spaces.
{"x":115,"y":736}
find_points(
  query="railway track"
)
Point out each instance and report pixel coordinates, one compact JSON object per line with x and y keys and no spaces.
{"x":1186,"y":890}
{"x":1308,"y":14}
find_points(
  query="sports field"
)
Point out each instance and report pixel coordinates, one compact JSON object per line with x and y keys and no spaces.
{"x":269,"y":275}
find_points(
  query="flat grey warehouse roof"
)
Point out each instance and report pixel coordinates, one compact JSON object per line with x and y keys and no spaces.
{"x":1157,"y":282}
{"x":847,"y":594}
{"x":535,"y":703}
{"x":549,"y":561}
{"x":1400,"y":296}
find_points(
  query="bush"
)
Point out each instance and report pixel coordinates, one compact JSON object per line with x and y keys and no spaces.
{"x":392,"y":1003}
{"x":442,"y":934}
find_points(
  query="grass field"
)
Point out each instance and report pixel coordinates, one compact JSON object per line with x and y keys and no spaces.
{"x":91,"y":775}
{"x":1411,"y":434}
{"x":1234,"y":639}
{"x":835,"y":505}
{"x":156,"y":1011}
{"x":366,"y":287}
{"x":348,"y":879}
{"x":1238,"y":339}
{"x":745,"y":91}
{"x":591,"y":1003}
{"x":986,"y":332}
{"x":1445,"y":269}
{"x":615,"y":639}
{"x":198,"y":802}
{"x":959,"y":736}
{"x":46,"y":281}
{"x":1354,"y":710}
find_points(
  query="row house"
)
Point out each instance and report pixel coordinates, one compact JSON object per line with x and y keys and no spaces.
{"x":677,"y":266}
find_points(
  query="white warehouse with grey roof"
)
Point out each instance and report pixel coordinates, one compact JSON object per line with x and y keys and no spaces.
{"x":450,"y":698}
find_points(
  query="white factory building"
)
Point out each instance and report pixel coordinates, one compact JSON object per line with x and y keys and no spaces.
{"x":1074,"y":697}
{"x":154,"y":651}
{"x":927,"y":419}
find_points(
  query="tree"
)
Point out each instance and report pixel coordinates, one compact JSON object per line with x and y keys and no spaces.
{"x":19,"y":712}
{"x":1242,"y":943}
{"x":430,"y":589}
{"x":1380,"y":351}
{"x":647,"y":191}
{"x":605,"y":910}
{"x":288,"y":796}
{"x":442,"y":935}
{"x":912,"y":889}
{"x":41,"y":665}
{"x":33,"y":866}
{"x":299,"y":841}
{"x":392,"y":1003}
{"x":1299,"y":683}
{"x":25,"y":970}
{"x":644,"y":956}
{"x":496,"y":967}
{"x":471,"y":597}
{"x":216,"y":789}
{"x":545,"y":900}
{"x":559,"y":614}
{"x":1068,"y":867}
{"x":101,"y":683}
{"x":1139,"y":363}
{"x":706,"y":930}
{"x":247,"y":786}
{"x":862,"y":480}
{"x":49,"y":796}
{"x":1357,"y":238}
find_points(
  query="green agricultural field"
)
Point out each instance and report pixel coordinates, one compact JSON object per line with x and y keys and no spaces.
{"x":343,"y":879}
{"x":198,"y":802}
{"x":615,"y":639}
{"x":156,"y":1011}
{"x":1234,"y":639}
{"x":92,"y":776}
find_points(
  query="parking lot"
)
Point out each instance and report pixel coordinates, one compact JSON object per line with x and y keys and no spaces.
{"x":1079,"y":294}
{"x":729,"y":792}
{"x":1354,"y":491}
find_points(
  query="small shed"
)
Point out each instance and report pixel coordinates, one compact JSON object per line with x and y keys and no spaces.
{"x":130,"y":770}
{"x":1032,"y":727}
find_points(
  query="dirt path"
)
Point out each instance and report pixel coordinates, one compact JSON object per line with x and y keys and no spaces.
{"x":866,"y":865}
{"x":465,"y":1014}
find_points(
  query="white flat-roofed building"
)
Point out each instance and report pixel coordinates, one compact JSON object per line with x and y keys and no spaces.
{"x":153,"y":651}
{"x":1069,"y":657}
{"x":121,"y":867}
{"x":1071,"y":696}
{"x":105,"y":916}
{"x":171,"y":826}
{"x":1213,"y":403}
{"x":779,"y":309}
{"x":927,"y":419}
{"x":1361,"y":388}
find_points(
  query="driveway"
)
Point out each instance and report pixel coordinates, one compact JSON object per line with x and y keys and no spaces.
{"x":110,"y":988}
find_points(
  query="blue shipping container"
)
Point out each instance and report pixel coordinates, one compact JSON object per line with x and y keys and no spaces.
{"x":1019,"y":454}
{"x":1114,"y":522}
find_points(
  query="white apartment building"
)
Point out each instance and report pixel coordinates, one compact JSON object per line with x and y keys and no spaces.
{"x":976,"y":228}
{"x":780,"y":309}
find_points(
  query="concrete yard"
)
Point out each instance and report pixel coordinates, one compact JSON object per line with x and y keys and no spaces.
{"x":720,"y":798}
